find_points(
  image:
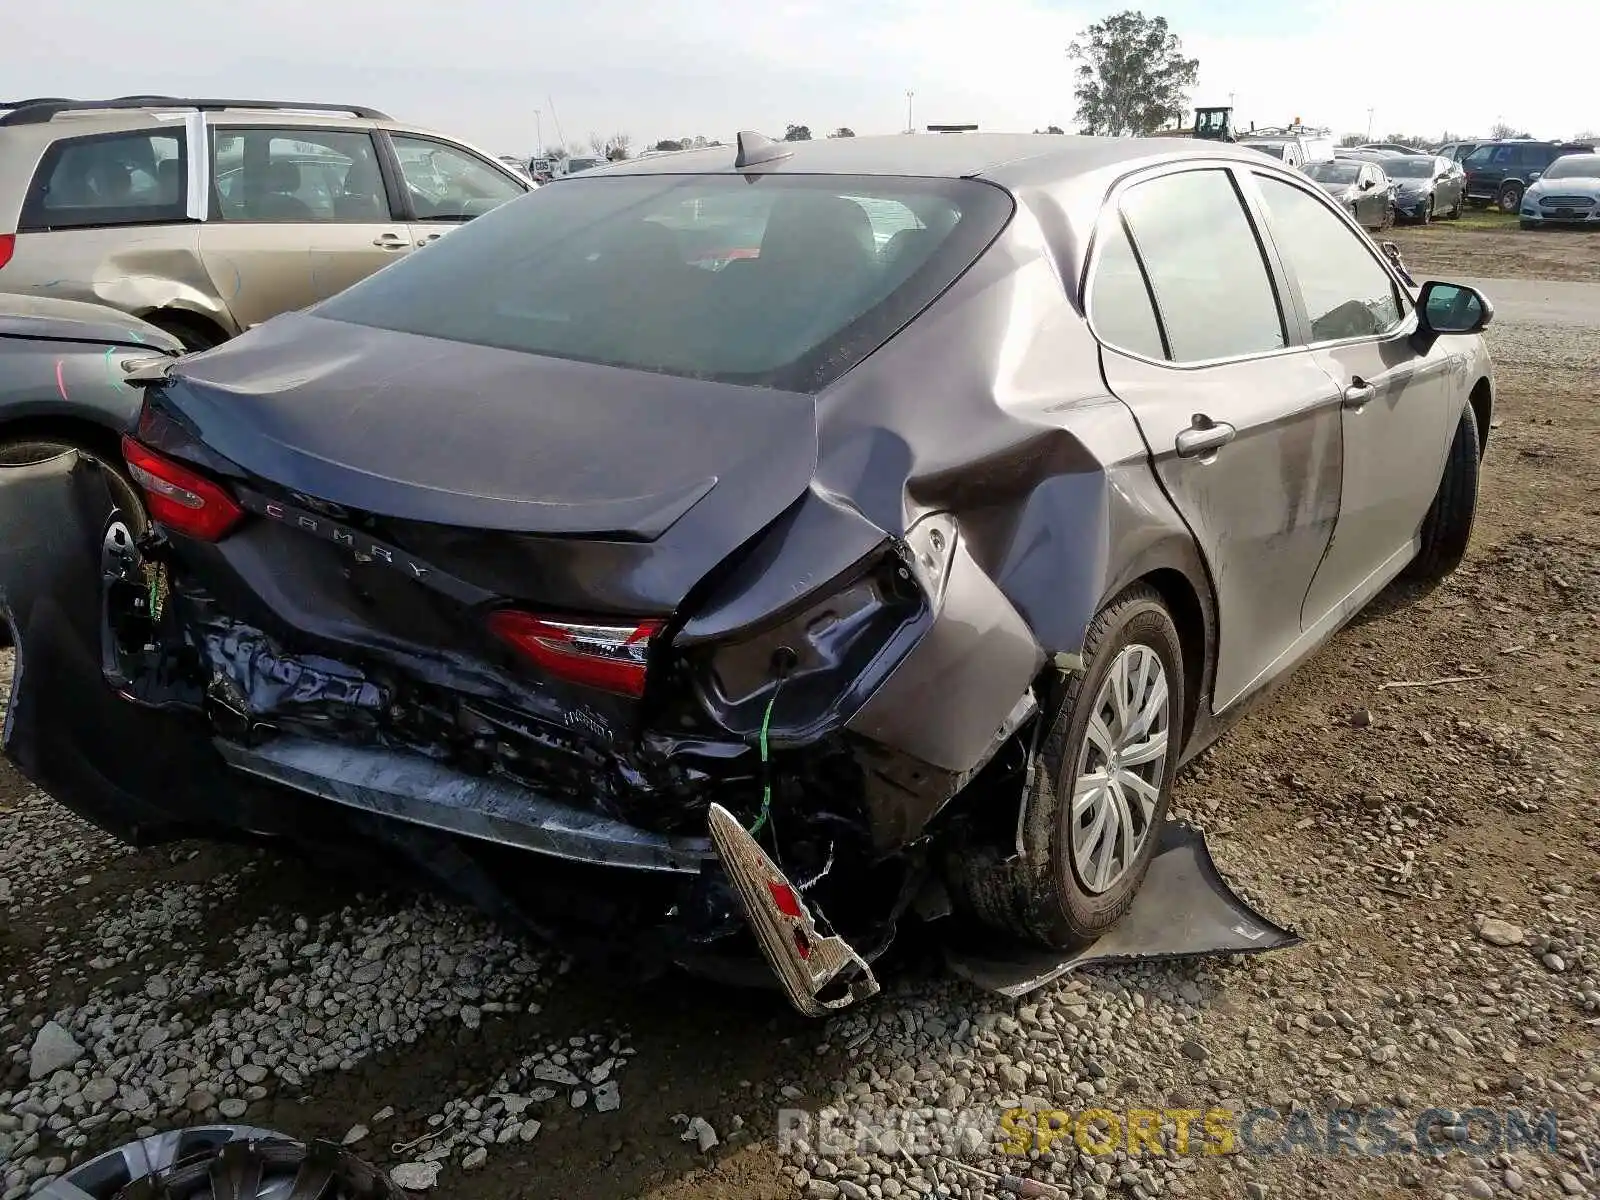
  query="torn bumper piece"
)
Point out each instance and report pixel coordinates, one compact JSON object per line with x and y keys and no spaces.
{"x":1184,"y":910}
{"x":819,"y":973}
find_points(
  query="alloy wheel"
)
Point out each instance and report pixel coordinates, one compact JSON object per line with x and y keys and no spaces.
{"x":1120,"y":768}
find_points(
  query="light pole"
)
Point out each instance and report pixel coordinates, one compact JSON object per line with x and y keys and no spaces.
{"x":538,"y":133}
{"x":1370,"y":111}
{"x":910,"y":128}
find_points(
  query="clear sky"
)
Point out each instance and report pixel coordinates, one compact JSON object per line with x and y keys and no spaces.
{"x":483,"y":69}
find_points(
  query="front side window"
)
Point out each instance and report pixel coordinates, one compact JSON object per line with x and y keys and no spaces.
{"x":786,"y":282}
{"x":116,"y":179}
{"x":1206,"y":267}
{"x":301,"y":175}
{"x":448,"y":184}
{"x":1480,"y":157}
{"x":1347,"y":293}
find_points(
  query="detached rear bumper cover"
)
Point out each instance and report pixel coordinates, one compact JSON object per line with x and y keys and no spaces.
{"x":408,"y":787}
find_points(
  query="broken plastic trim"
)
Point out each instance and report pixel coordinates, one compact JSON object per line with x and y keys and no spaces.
{"x":407,"y":787}
{"x":806,"y":962}
{"x":1184,"y":909}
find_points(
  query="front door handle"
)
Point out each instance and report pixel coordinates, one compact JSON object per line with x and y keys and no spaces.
{"x":1204,"y":436}
{"x":1358,"y":393}
{"x":390,"y":241}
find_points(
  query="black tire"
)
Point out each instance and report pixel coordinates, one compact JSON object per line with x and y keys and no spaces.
{"x":1509,"y":198}
{"x":1447,"y":529}
{"x":1460,"y":206}
{"x":1427,"y":213}
{"x":1040,"y":897}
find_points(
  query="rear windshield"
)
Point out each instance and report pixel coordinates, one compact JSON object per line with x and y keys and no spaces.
{"x":784,"y":282}
{"x":1574,"y":166}
{"x":1267,"y":148}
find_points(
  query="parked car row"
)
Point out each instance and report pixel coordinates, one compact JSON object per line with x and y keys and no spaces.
{"x":1425,"y":184}
{"x":1381,"y":185}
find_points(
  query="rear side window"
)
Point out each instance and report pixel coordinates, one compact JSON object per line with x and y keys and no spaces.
{"x":299,"y":175}
{"x":785,"y":282}
{"x":111,"y":179}
{"x":1214,"y":294}
{"x":1119,"y":300}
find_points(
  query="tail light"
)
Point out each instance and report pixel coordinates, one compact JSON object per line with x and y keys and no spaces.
{"x":180,"y":499}
{"x":610,"y":657}
{"x":8,"y":247}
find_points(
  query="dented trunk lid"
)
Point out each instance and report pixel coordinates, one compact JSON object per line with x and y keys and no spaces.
{"x":582,"y":488}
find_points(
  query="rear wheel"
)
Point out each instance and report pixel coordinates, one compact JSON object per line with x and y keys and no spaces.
{"x":222,"y":1162}
{"x":1426,"y":216}
{"x":1101,"y":788}
{"x":1447,"y":529}
{"x":1509,"y":197}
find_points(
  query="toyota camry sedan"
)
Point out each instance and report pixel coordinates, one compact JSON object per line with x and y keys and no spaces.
{"x":735,"y":552}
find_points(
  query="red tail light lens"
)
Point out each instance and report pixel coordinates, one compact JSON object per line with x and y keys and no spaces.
{"x":180,"y":499}
{"x":610,"y":657}
{"x":8,"y":247}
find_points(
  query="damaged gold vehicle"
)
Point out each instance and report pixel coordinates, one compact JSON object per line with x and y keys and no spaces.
{"x":774,"y":545}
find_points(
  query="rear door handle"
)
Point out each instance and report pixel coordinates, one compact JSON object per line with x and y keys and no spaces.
{"x":390,"y":241}
{"x":1358,"y":393}
{"x":1204,"y":437}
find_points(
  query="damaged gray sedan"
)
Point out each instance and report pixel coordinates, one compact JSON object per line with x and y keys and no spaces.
{"x":738,"y":551}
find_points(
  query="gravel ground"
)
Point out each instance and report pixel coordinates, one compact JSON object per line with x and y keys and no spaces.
{"x":1437,"y":845}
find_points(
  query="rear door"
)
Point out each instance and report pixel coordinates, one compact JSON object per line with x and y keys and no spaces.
{"x":107,"y":219}
{"x":445,"y":185}
{"x":1241,"y":421}
{"x":1396,"y":413}
{"x":297,"y":214}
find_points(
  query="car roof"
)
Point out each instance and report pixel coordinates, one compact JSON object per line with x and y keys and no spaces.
{"x":1010,"y":159}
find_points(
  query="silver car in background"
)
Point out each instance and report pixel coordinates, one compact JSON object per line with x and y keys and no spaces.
{"x":1568,"y":194}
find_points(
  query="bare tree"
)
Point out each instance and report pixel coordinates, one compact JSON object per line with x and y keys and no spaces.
{"x":1132,"y":76}
{"x":1501,"y":132}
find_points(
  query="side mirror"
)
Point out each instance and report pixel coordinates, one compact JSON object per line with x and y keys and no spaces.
{"x":1452,"y":308}
{"x":1367,"y":185}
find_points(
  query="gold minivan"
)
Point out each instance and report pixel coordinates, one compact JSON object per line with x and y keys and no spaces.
{"x":206,"y":217}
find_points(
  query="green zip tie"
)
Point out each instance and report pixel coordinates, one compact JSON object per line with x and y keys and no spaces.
{"x":766,"y":777}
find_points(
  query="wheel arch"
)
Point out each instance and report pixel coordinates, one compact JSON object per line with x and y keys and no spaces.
{"x":101,"y":439}
{"x":1482,"y":400}
{"x":177,"y":320}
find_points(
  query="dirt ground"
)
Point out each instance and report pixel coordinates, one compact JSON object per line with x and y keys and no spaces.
{"x":1501,"y":251}
{"x":1440,"y":761}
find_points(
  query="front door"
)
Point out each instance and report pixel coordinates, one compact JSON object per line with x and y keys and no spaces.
{"x":296,"y":215}
{"x":1394,"y":402}
{"x":1243,"y":427}
{"x":447,"y":185}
